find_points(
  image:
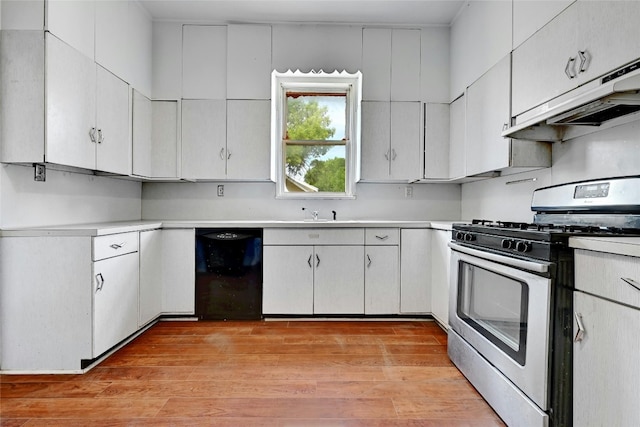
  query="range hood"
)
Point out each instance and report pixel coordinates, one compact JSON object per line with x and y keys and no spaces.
{"x":615,"y":99}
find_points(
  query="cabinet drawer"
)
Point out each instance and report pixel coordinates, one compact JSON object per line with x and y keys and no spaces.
{"x":382,"y":236}
{"x":604,"y":275}
{"x":313,"y":236}
{"x":114,"y":245}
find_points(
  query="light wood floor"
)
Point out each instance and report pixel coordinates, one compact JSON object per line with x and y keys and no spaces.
{"x":275,"y":373}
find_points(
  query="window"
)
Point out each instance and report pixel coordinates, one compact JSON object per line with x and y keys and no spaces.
{"x":315,"y":131}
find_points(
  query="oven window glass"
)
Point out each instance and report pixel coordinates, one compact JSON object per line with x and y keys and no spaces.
{"x":496,"y":306}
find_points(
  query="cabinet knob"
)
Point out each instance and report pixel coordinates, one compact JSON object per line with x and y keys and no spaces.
{"x":580,"y":331}
{"x":569,"y":68}
{"x":100,"y":137}
{"x":585,"y":58}
{"x":92,"y":135}
{"x":99,"y":282}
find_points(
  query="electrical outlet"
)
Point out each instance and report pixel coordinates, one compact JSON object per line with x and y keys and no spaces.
{"x":39,"y":173}
{"x":220,"y":190}
{"x":408,"y":191}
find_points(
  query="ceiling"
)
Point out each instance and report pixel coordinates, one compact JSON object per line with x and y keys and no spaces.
{"x":366,"y":12}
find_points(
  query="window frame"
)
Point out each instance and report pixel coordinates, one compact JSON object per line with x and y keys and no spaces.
{"x":315,"y":82}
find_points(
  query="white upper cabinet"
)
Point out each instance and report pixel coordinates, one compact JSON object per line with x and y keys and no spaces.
{"x":111,"y":36}
{"x":531,"y":15}
{"x":436,"y":141}
{"x":487,"y":115}
{"x":113,"y":150}
{"x":586,"y":40}
{"x":434,"y":71}
{"x":204,"y":64}
{"x":155,"y":137}
{"x":204,"y":144}
{"x":391,"y":141}
{"x":74,"y":22}
{"x":166,"y":61}
{"x":480,"y":37}
{"x":71,"y":133}
{"x":391,"y":64}
{"x":457,"y":128}
{"x":317,"y":47}
{"x":249,"y":62}
{"x":139,"y":49}
{"x":248,"y":139}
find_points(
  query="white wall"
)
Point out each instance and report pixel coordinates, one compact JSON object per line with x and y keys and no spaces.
{"x":610,"y":153}
{"x":64,"y":198}
{"x":242,"y":201}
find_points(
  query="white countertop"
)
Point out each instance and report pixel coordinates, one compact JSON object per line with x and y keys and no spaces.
{"x":99,"y":229}
{"x":629,"y":246}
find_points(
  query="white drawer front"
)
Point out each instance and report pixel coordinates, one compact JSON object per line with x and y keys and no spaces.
{"x":114,"y":245}
{"x":616,"y":277}
{"x":313,"y":236}
{"x":382,"y":236}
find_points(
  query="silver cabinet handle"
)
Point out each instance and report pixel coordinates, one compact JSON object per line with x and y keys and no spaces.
{"x":228,"y":154}
{"x":309,"y":261}
{"x":92,"y":135}
{"x":631,"y":282}
{"x":117,"y":246}
{"x":385,"y":237}
{"x":386,"y":155}
{"x":580,"y":331}
{"x":368,"y":261}
{"x":222,"y":154}
{"x":317,"y":261}
{"x":585,"y":58}
{"x":99,"y":282}
{"x":568,"y":69}
{"x":100,"y":137}
{"x":393,"y":156}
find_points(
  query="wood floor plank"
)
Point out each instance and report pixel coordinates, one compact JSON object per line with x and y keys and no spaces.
{"x":284,"y":373}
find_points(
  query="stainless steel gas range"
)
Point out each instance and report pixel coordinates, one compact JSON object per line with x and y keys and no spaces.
{"x":511,"y":297}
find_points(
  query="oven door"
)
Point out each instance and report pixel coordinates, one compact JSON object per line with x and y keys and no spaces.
{"x":502,"y":309}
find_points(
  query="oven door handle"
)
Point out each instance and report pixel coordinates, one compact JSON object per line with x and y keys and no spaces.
{"x":537,"y":267}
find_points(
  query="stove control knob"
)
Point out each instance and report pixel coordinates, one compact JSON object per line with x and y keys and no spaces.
{"x":508,"y":244}
{"x":459,"y":235}
{"x":523,"y":246}
{"x":468,"y":237}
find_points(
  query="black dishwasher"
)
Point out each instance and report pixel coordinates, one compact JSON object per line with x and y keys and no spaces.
{"x":228,"y":274}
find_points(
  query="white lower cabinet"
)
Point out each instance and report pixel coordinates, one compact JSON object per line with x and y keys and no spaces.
{"x":150,"y":276}
{"x":65,"y":300}
{"x":115,"y":301}
{"x":178,"y":271}
{"x":440,"y":260}
{"x":287,"y":280}
{"x":338,"y":282}
{"x":382,"y":271}
{"x":415,"y":275}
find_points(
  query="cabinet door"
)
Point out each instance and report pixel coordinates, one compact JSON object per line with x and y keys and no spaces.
{"x":112,"y":36}
{"x":488,"y":101}
{"x":338,"y":280}
{"x":376,"y":64}
{"x":406,"y":153}
{"x":457,"y":128}
{"x":609,"y":32}
{"x":248,"y":139}
{"x":112,"y":118}
{"x":74,"y":22}
{"x":376,"y":137}
{"x":150,"y":276}
{"x":249,"y":62}
{"x":115,"y":301}
{"x":440,"y":258}
{"x":381,"y":280}
{"x":606,"y":377}
{"x":415,"y":274}
{"x":287,"y":280}
{"x":178,"y":271}
{"x":405,"y":65}
{"x":436,"y":140}
{"x":204,"y":146}
{"x":204,"y":62}
{"x":539,"y":63}
{"x":70,"y":105}
{"x":164,"y":139}
{"x":141,"y":134}
{"x":531,"y":15}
